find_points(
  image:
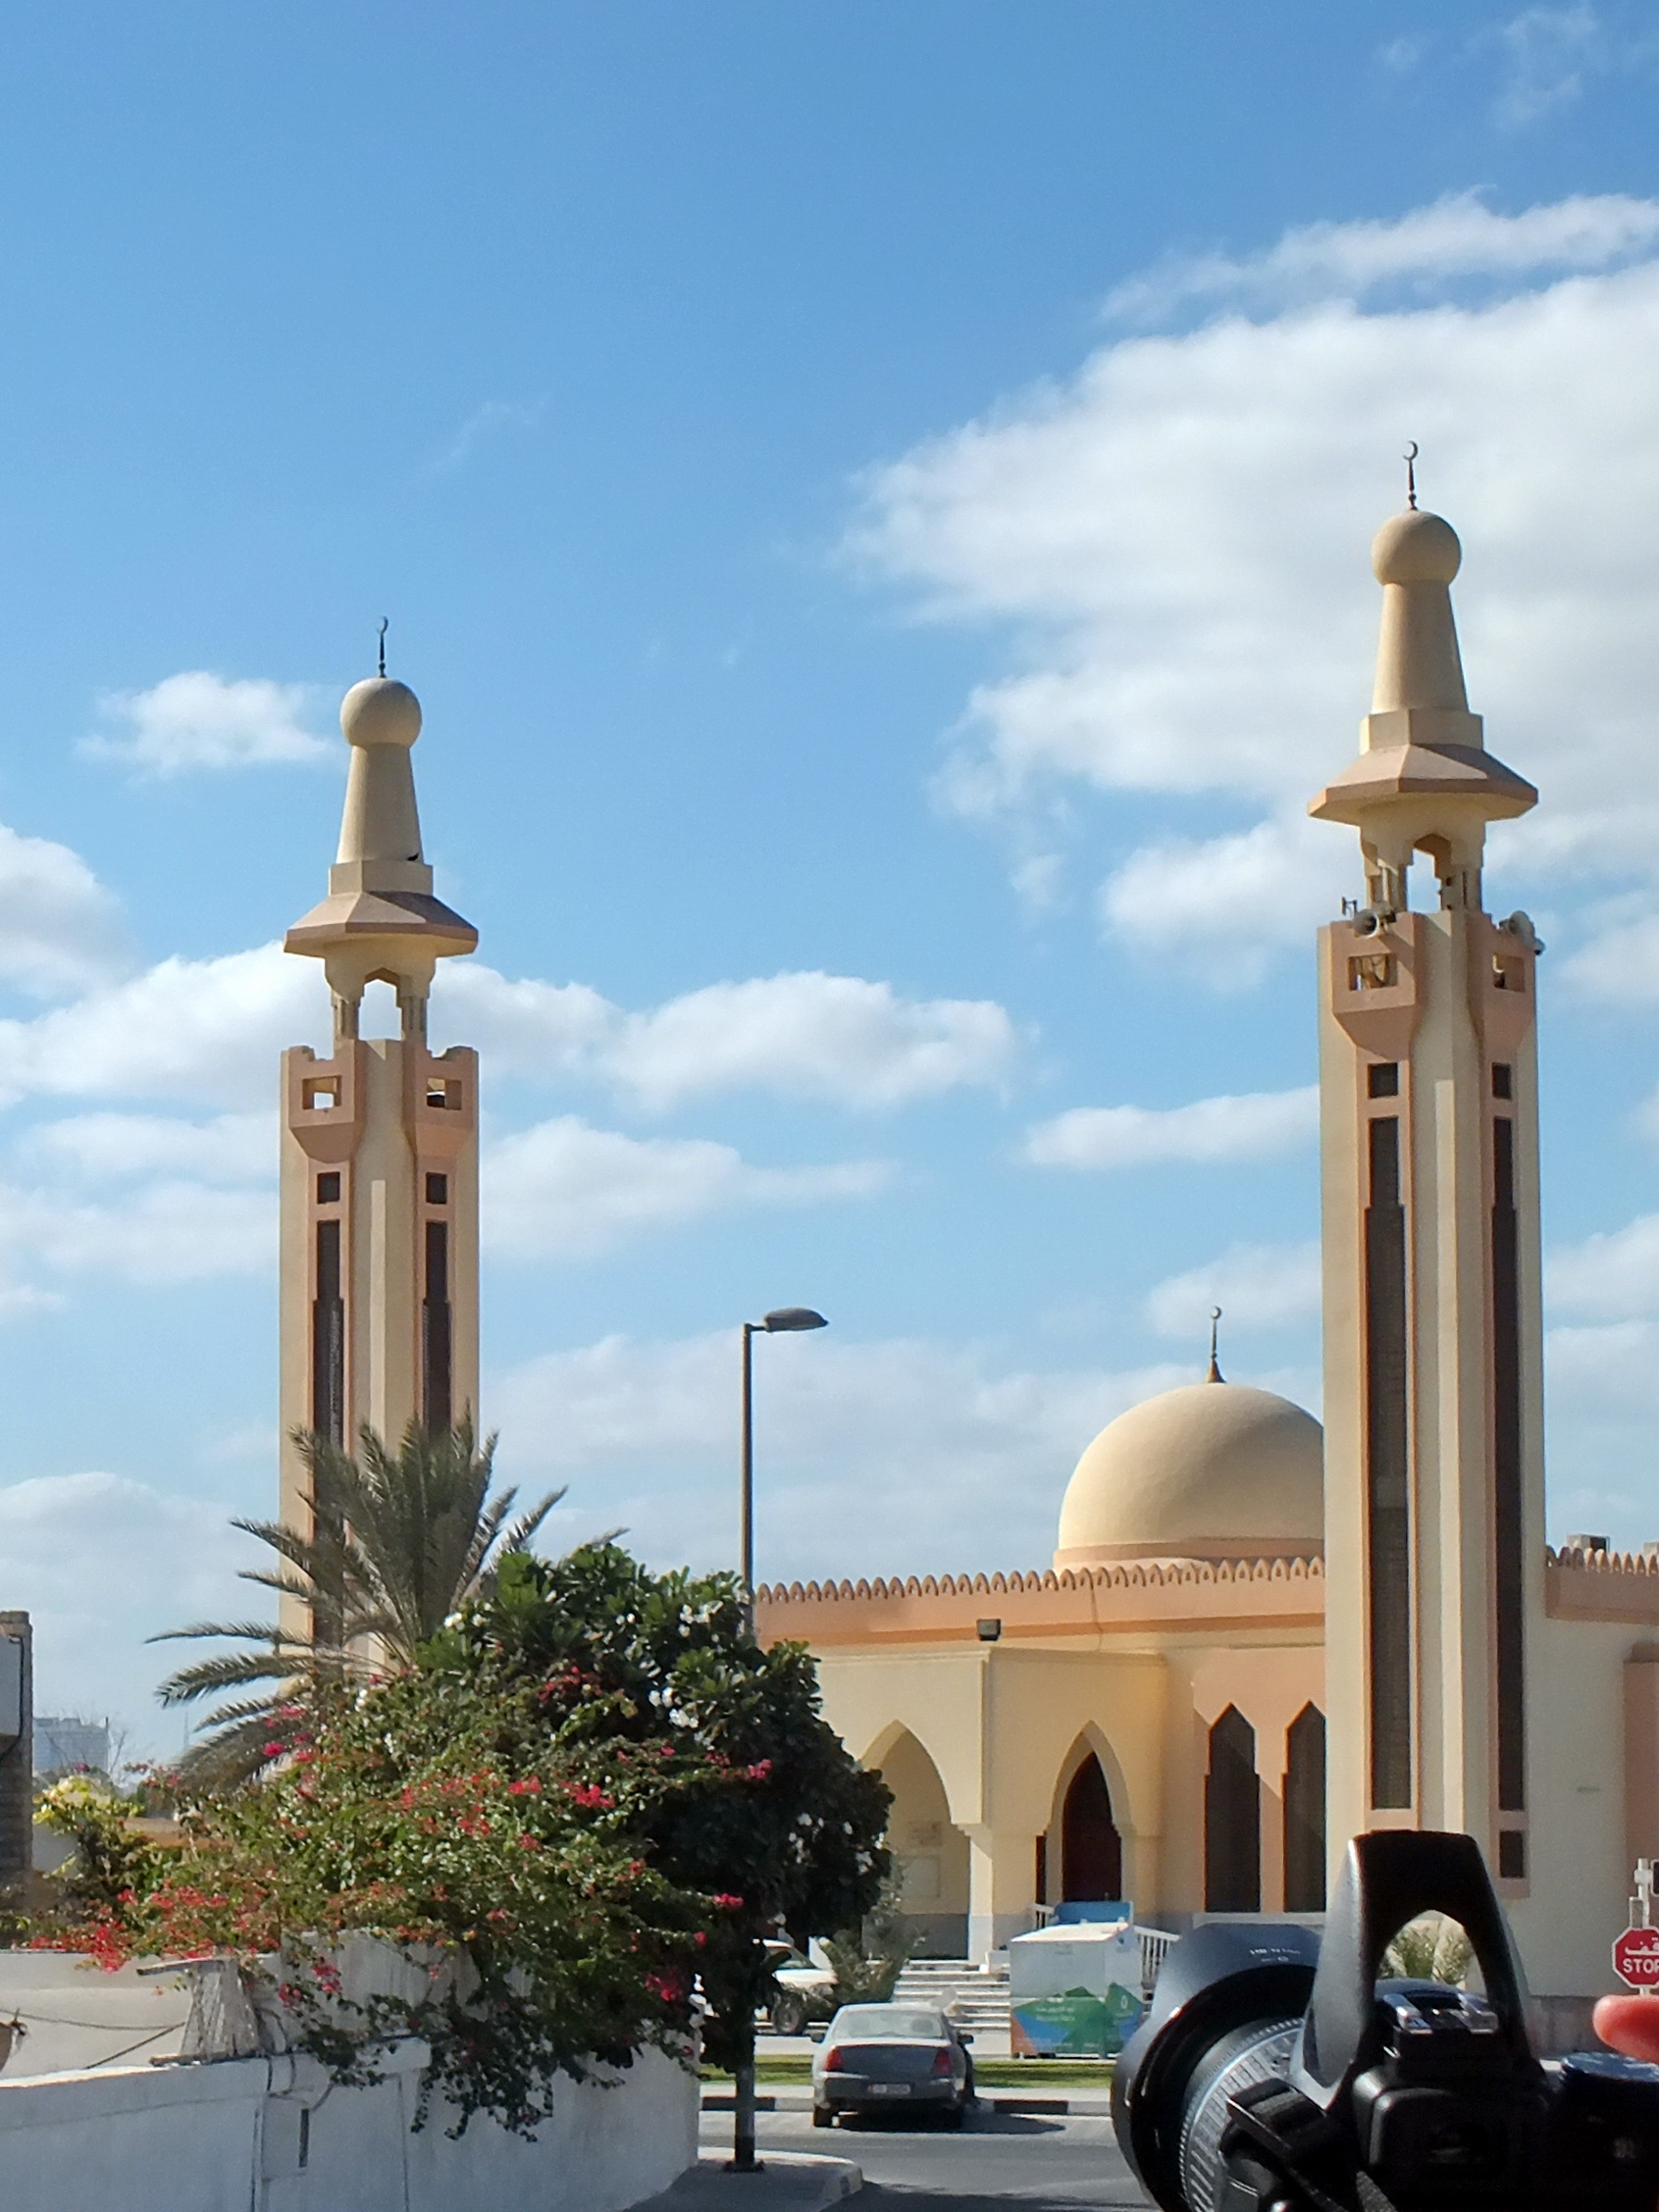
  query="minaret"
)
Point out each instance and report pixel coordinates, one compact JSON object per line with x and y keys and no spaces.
{"x":380,"y":1148}
{"x":1434,"y":1535}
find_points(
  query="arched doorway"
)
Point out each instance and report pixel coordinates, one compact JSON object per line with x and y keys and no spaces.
{"x":1091,"y":1850}
{"x":1233,"y":1818}
{"x":1303,"y":1813}
{"x":930,"y":1854}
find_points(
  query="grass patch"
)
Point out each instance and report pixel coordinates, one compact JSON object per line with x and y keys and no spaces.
{"x":989,"y":2073}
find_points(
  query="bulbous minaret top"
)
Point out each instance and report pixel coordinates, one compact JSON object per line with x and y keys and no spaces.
{"x":381,"y":921}
{"x":1425,"y":781}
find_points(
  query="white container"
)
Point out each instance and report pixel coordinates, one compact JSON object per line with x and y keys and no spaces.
{"x":1074,"y":1991}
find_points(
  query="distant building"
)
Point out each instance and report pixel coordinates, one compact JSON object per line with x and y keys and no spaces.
{"x":16,"y":1764}
{"x":65,"y":1744}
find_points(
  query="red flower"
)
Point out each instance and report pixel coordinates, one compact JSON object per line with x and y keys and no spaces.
{"x":528,"y":1843}
{"x":760,"y":1772}
{"x":530,"y":1788}
{"x":725,"y":1902}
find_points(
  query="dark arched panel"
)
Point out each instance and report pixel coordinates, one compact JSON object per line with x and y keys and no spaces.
{"x":1091,"y":1864}
{"x":1303,"y":1813}
{"x":1233,"y":1818}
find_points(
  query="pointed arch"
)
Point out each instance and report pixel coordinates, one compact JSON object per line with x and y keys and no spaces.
{"x":1233,"y":1818}
{"x":1091,"y":1850}
{"x":1115,"y":1850}
{"x":1303,"y":1812}
{"x":930,"y":1854}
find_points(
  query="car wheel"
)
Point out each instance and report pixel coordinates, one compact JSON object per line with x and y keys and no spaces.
{"x":953,"y":2117}
{"x":788,"y":2014}
{"x":822,"y":2116}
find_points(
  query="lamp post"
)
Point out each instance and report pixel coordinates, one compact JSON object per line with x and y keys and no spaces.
{"x":785,"y":1321}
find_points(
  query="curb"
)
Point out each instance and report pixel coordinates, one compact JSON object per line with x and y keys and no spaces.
{"x":789,"y":2180}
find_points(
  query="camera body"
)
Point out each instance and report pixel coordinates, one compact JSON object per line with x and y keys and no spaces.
{"x":1276,"y":2073}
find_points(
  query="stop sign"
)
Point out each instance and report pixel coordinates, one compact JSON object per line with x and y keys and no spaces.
{"x":1635,"y":1958}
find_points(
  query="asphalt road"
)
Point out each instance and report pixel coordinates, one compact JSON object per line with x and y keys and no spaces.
{"x":999,"y":2159}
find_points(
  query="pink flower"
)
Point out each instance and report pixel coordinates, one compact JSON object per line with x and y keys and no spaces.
{"x":725,"y":1902}
{"x":529,"y":1842}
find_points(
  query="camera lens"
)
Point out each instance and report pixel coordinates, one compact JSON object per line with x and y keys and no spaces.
{"x":1258,"y":2052}
{"x":1225,"y":2012}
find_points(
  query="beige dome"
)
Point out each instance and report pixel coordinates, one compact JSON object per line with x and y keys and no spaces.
{"x":381,"y":710}
{"x":1416,"y":548}
{"x":1216,"y":1471}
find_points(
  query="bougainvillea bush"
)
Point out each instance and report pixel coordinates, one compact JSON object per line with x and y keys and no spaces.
{"x":594,"y":1795}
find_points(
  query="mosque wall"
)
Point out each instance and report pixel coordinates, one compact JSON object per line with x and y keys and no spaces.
{"x":978,"y":1744}
{"x":1596,"y":1783}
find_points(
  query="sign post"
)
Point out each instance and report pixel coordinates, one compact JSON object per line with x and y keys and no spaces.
{"x":1635,"y":1954}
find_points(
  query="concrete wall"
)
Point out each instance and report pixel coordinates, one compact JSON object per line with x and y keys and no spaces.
{"x":271,"y":2135}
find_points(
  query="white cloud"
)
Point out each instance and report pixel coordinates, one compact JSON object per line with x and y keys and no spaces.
{"x":564,"y":1190}
{"x":1177,"y":537}
{"x":191,"y":1030}
{"x":521,"y":1027}
{"x":201,"y":1031}
{"x":232,"y":1148}
{"x":897,"y":1455}
{"x":1222,"y":906}
{"x":200,"y":720}
{"x":167,"y":1232}
{"x":1611,"y":1277}
{"x":1545,"y":53}
{"x":1620,"y":962}
{"x":811,"y":1036}
{"x":100,"y":1562}
{"x":805,"y":1035}
{"x":59,"y":929}
{"x":1457,"y":237}
{"x":1255,"y":1125}
{"x":1256,"y":1286}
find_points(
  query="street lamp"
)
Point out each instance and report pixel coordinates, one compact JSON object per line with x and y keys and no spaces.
{"x":786,"y":1320}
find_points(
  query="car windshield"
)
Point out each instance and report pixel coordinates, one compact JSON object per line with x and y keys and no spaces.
{"x":879,"y":2024}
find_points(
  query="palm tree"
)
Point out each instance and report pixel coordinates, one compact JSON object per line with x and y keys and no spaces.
{"x":398,"y":1540}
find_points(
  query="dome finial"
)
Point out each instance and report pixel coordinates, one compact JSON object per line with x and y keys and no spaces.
{"x":1214,"y":1375}
{"x":1411,"y":473}
{"x":385,"y":625}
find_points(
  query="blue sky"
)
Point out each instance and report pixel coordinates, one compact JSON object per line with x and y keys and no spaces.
{"x":875,"y":504}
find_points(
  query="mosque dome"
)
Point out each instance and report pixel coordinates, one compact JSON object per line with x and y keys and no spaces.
{"x":1213,"y":1470}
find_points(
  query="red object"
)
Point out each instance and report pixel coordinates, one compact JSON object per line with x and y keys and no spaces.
{"x":834,"y":2063}
{"x":1635,"y":1958}
{"x":941,"y":2061}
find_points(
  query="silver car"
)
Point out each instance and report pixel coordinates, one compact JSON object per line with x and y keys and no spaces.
{"x":892,"y":2058}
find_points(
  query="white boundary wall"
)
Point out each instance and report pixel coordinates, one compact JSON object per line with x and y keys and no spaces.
{"x":269,"y":2135}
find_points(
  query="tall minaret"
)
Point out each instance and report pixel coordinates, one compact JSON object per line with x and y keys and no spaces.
{"x":380,"y":1148}
{"x":1434,"y":1535}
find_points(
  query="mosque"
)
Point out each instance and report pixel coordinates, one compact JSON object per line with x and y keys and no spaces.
{"x":1255,"y":1637}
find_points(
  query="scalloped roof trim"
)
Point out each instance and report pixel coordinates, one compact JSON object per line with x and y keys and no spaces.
{"x":1602,"y":1563}
{"x":1135,"y":1574}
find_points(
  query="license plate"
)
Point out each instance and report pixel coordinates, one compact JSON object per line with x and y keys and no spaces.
{"x":890,"y":2088}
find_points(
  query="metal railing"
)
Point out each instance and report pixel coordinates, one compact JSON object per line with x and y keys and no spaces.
{"x":1155,"y":1945}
